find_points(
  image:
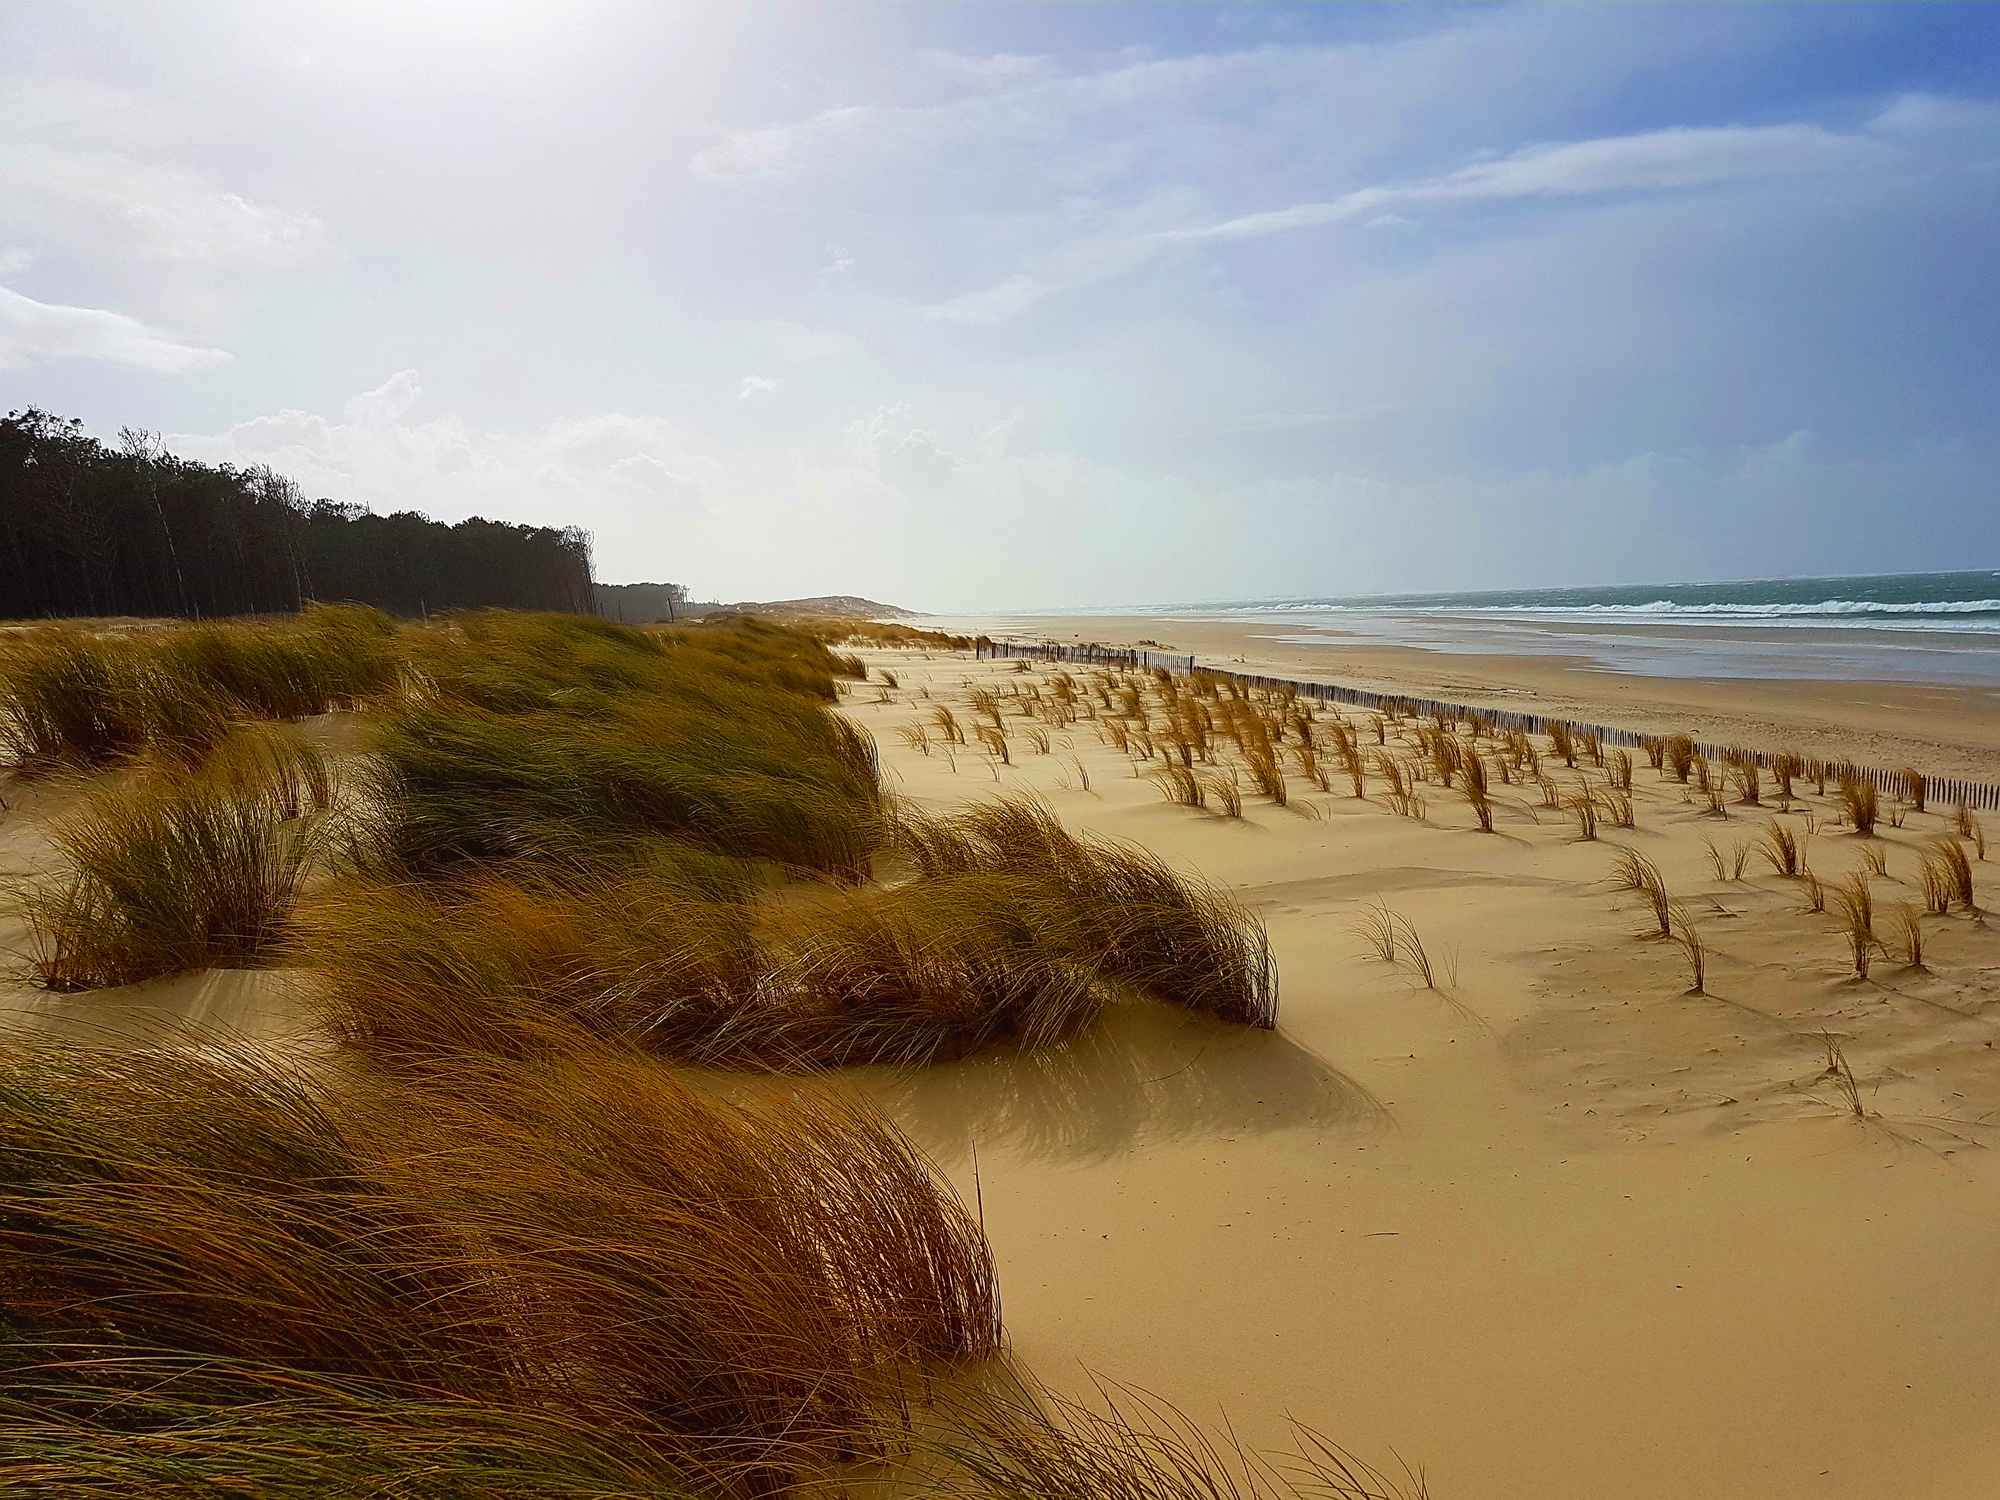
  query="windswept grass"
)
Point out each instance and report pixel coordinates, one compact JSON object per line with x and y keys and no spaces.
{"x":552,"y":737}
{"x":1858,"y":803}
{"x":1779,"y":847}
{"x":1473,"y":784}
{"x":1912,"y":787}
{"x":1180,"y":786}
{"x":1687,"y":937}
{"x":1632,"y":871}
{"x":1014,"y":931}
{"x":67,"y":698}
{"x":1855,"y":903}
{"x":1393,"y":938}
{"x":593,"y":1244}
{"x":1679,"y":753}
{"x":1946,"y":876}
{"x":1031,"y":1445}
{"x":72,"y":699}
{"x":168,"y":877}
{"x":1582,"y":807}
{"x":1909,"y":929}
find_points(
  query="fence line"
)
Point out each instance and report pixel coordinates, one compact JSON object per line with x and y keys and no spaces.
{"x":1947,"y":791}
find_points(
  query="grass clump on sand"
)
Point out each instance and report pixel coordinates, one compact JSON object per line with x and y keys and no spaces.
{"x":546,"y":736}
{"x":172,"y":876}
{"x":539,"y":1254}
{"x":69,"y":698}
{"x":1013,"y":930}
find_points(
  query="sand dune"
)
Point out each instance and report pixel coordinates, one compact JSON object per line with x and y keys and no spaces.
{"x":1556,"y":1229}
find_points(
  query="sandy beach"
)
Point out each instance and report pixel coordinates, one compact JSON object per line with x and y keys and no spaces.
{"x":1944,"y":729}
{"x":1554,"y":1228}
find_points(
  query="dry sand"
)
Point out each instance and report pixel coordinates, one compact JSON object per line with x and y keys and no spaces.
{"x":1559,"y":1229}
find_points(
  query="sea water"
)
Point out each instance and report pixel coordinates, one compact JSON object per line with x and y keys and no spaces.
{"x":1905,"y":627}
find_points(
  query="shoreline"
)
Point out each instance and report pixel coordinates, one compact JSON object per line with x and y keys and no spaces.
{"x":1870,"y":722}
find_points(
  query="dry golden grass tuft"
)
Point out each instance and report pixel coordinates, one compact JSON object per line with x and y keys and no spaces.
{"x":1687,"y":937}
{"x":1855,"y":904}
{"x":1615,"y":806}
{"x":1392,"y":937}
{"x":167,"y":877}
{"x":1632,"y":871}
{"x":722,"y":1286}
{"x":1858,"y":803}
{"x":1909,"y":930}
{"x":1779,"y":847}
{"x":1680,"y":755}
{"x":1180,"y":786}
{"x":1582,"y":807}
{"x":1621,"y":770}
{"x":1815,"y":892}
{"x":1946,"y":876}
{"x":1474,"y":787}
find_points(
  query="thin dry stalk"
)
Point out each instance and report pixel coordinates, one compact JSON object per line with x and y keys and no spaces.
{"x":1634,"y":872}
{"x":1810,"y":883}
{"x":1616,"y":806}
{"x":1474,"y":787}
{"x":1779,"y":847}
{"x":1855,"y":904}
{"x":1954,"y":871}
{"x":1582,"y":806}
{"x":1180,"y":786}
{"x":1909,"y":929}
{"x":1228,"y":796}
{"x":1687,"y":937}
{"x":1842,"y":1075}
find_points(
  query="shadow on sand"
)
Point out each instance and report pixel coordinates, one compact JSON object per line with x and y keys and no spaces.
{"x":1142,"y":1074}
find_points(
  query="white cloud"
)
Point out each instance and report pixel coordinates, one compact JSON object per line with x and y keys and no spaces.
{"x":387,"y":403}
{"x":758,"y":385}
{"x":31,"y":330}
{"x":1655,"y":161}
{"x":993,"y":304}
{"x":1650,"y":162}
{"x":618,"y":472}
{"x":839,"y":262}
{"x":105,"y":203}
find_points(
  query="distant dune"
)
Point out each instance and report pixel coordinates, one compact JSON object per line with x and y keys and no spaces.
{"x":644,"y":603}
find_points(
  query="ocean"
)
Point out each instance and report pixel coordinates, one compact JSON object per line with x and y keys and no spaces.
{"x":1904,"y":627}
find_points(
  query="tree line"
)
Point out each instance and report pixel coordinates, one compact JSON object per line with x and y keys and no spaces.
{"x":87,"y":528}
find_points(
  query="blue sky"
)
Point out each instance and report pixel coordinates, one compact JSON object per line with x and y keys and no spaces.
{"x":1003,"y":305}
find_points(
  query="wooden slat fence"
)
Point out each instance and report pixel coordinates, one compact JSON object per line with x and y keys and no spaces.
{"x":1939,"y":791}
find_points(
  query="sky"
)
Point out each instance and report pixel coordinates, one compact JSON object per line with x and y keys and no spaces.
{"x":1040,"y":305}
